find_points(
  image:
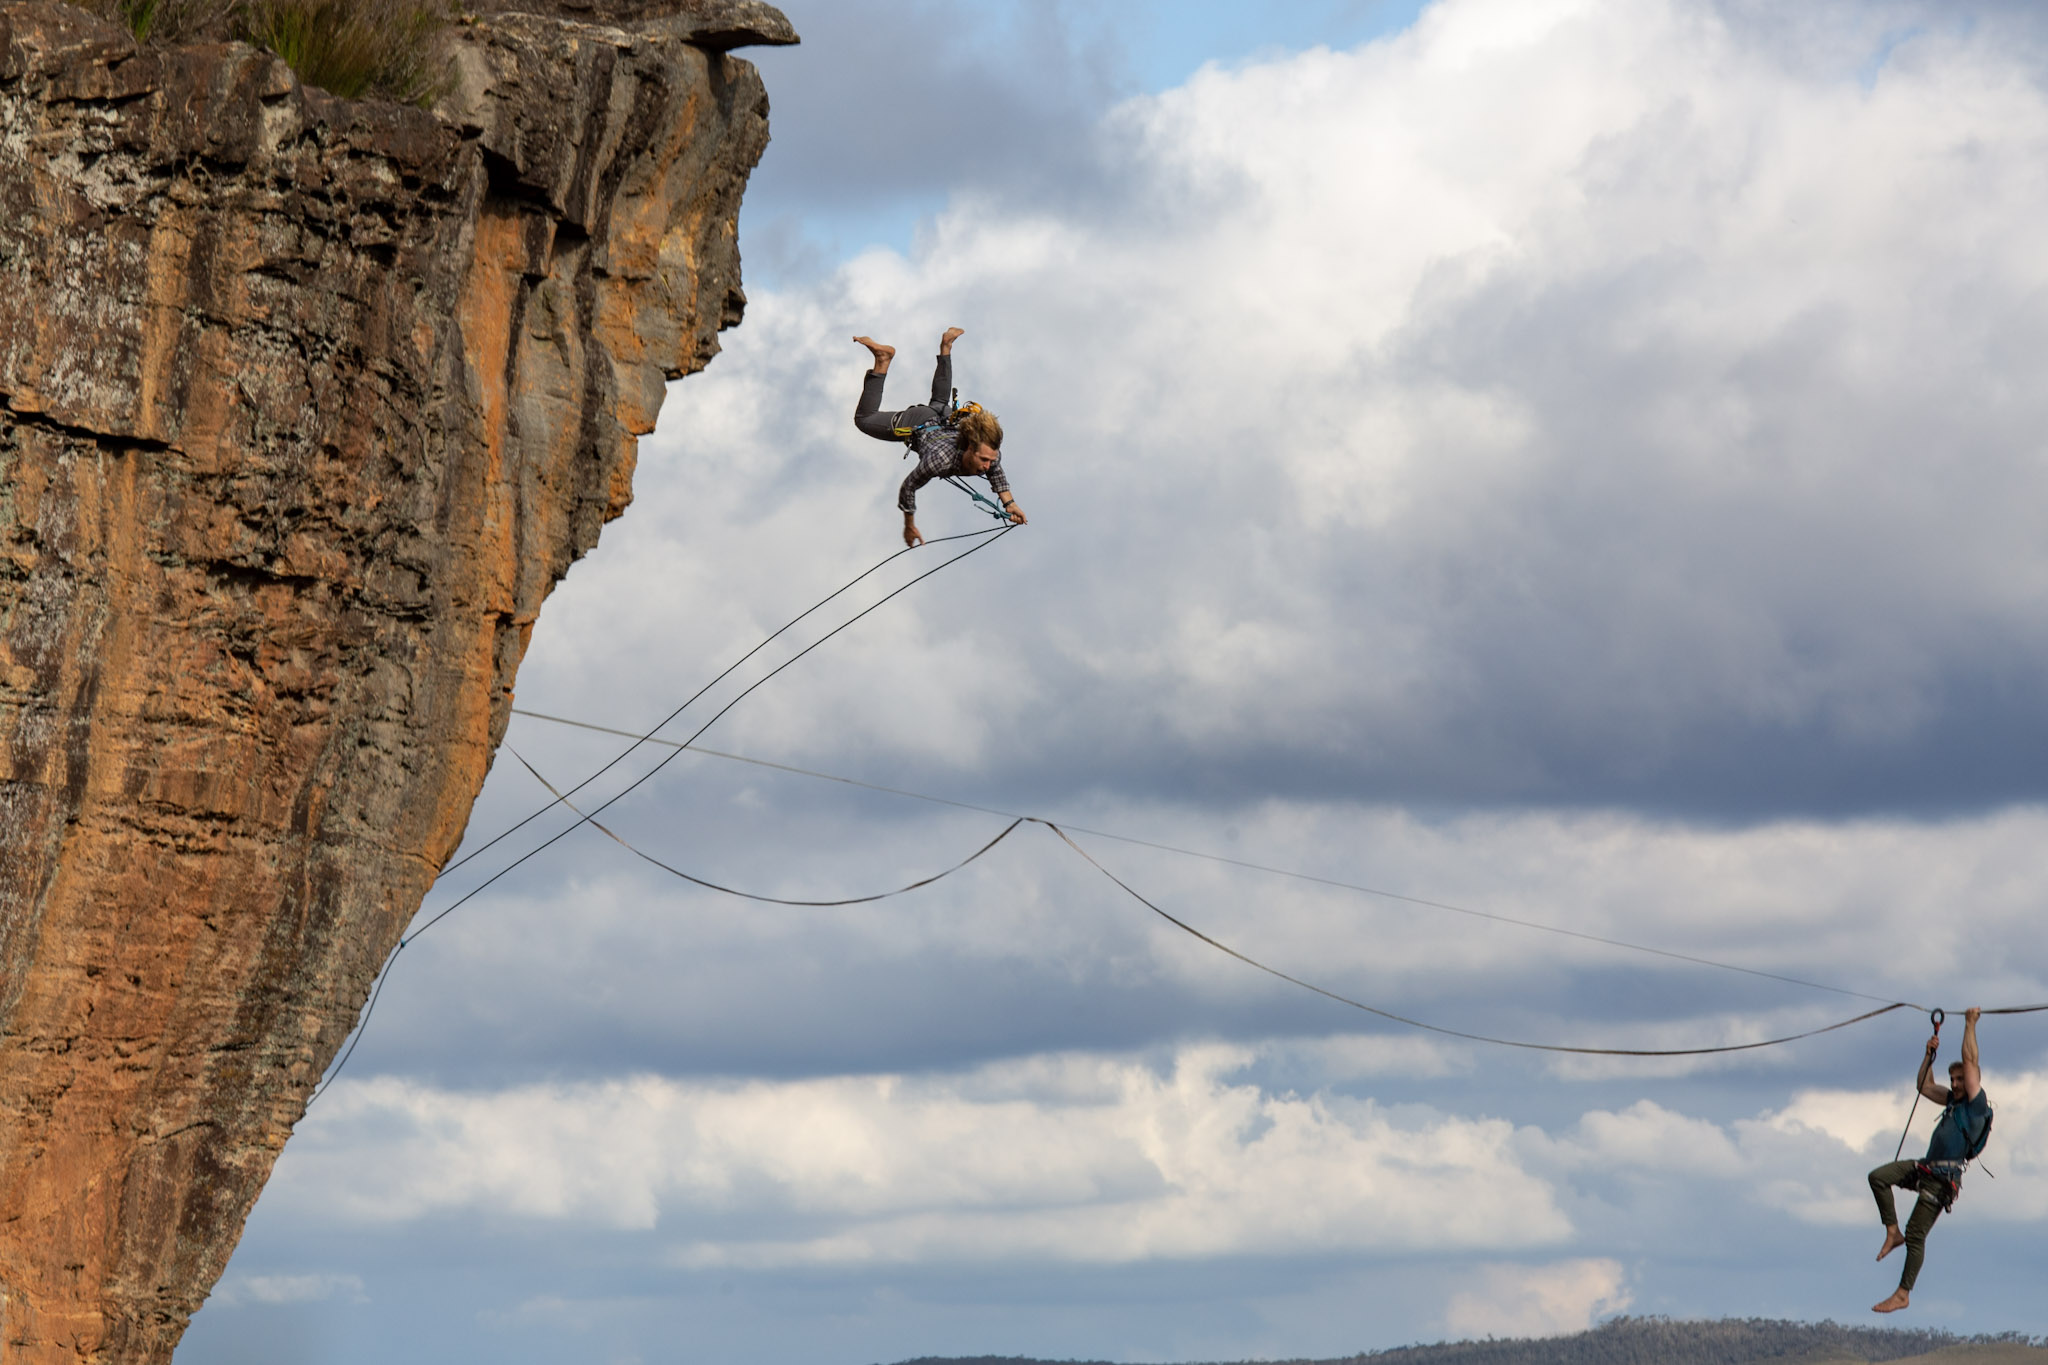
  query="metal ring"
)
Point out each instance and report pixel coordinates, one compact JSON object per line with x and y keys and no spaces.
{"x":1937,"y":1015}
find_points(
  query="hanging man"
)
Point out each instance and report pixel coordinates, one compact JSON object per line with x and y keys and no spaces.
{"x":1959,"y":1135}
{"x":945,"y":449}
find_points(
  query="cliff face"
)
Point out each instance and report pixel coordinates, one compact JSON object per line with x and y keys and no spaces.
{"x":305,"y":405}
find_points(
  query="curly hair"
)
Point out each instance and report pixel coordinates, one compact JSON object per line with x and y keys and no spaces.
{"x":980,"y":428}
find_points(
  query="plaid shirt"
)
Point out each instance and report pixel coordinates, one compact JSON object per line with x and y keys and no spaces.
{"x":938,"y":456}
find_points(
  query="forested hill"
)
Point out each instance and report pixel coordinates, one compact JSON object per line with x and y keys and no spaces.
{"x":1661,"y":1341}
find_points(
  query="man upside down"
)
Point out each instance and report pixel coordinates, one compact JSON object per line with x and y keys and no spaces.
{"x":971,"y":446}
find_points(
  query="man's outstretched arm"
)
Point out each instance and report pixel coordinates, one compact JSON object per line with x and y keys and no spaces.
{"x":906,"y":502}
{"x":1973,"y":1076}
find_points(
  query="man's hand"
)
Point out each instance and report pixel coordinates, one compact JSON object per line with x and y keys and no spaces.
{"x":912,"y":537}
{"x":1972,"y":1015}
{"x":1016,"y":513}
{"x":1933,"y":1046}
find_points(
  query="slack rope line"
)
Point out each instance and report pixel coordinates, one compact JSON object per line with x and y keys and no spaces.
{"x":1239,"y":862}
{"x":601,"y":828}
{"x":1935,"y":1017}
{"x":1225,"y":948}
{"x":1889,"y":1004}
{"x":984,"y":539}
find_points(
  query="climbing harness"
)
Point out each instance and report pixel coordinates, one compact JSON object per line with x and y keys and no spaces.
{"x":1947,"y":1175}
{"x":987,"y":505}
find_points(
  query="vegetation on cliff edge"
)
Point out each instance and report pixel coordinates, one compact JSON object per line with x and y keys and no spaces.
{"x":358,"y":49}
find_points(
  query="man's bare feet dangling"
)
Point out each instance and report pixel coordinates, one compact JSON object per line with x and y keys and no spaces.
{"x":952,"y":335}
{"x":1893,"y":1240}
{"x":883,"y":354}
{"x":1893,"y":1304}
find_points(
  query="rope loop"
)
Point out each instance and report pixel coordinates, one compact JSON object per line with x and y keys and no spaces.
{"x":1935,"y":1016}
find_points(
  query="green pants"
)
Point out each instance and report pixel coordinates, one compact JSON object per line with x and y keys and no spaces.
{"x":1906,"y":1176}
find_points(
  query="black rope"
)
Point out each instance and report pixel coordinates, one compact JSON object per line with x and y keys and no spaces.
{"x":1889,"y":1005}
{"x":601,"y":828}
{"x":362,"y":1025}
{"x":993,"y":535}
{"x":664,"y":722}
{"x":1934,"y":1017}
{"x":1223,"y":947}
{"x":1909,"y":1124}
{"x":626,"y":791}
{"x":1239,"y":862}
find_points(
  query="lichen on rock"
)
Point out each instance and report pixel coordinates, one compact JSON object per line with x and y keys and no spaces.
{"x":305,"y":406}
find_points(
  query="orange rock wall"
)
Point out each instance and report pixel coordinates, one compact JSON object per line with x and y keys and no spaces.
{"x":305,"y":405}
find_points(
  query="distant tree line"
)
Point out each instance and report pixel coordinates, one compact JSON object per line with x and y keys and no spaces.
{"x":1642,"y":1341}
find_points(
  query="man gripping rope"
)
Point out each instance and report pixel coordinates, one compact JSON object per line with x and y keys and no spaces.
{"x":1958,"y":1136}
{"x":972,"y":447}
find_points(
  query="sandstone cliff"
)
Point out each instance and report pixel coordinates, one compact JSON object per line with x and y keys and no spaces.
{"x":305,"y":405}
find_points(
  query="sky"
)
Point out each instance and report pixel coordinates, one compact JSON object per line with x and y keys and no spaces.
{"x":1573,"y":461}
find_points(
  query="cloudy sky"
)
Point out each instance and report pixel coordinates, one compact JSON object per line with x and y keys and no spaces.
{"x":1579,"y":461}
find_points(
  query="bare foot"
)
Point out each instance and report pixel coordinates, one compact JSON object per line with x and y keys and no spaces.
{"x":1893,"y":1240}
{"x":952,"y":335}
{"x":883,"y":354}
{"x":1893,"y":1304}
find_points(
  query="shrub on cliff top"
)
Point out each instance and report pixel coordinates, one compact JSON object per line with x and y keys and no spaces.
{"x":353,"y":48}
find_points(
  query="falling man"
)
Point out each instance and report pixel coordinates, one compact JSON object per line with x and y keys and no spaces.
{"x":947,"y":445}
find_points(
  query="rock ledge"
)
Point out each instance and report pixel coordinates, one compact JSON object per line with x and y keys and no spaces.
{"x":305,"y":406}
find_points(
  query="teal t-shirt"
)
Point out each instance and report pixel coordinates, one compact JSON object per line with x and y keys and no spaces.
{"x":1956,"y":1134}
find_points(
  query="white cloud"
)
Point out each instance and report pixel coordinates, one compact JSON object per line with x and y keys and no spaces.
{"x":1537,"y":1301}
{"x":1647,"y":1136}
{"x":1091,"y":1159}
{"x":237,"y":1290}
{"x":2009,"y":1184}
{"x":1060,"y":1158}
